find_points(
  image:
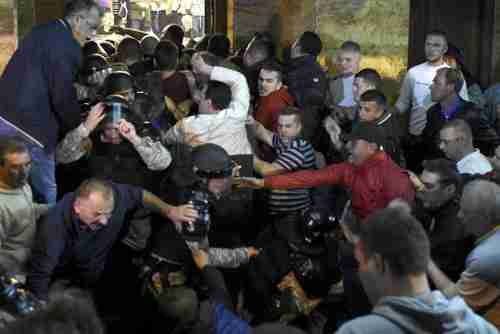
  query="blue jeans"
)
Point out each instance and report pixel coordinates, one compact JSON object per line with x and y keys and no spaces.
{"x":43,"y":170}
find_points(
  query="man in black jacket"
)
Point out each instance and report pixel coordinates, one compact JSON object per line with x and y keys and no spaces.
{"x":37,"y":98}
{"x":438,"y":196}
{"x":75,"y":238}
{"x":307,"y":83}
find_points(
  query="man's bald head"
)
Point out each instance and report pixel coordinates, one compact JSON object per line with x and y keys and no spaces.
{"x":480,"y":207}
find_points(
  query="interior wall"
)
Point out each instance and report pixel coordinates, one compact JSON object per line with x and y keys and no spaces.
{"x":380,"y":26}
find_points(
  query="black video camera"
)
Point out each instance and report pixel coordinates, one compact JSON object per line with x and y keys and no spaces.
{"x":198,"y":230}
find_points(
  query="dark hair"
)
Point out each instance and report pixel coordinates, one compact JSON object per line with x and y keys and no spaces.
{"x":292,"y":111}
{"x":374,"y":95}
{"x":174,"y":33}
{"x":219,"y":45}
{"x":273,"y":66}
{"x":219,"y":93}
{"x":167,"y":55}
{"x":350,"y":46}
{"x":453,"y":77}
{"x":9,"y":145}
{"x":129,"y":48}
{"x":70,"y":311}
{"x":371,"y":76}
{"x":73,"y":7}
{"x":398,"y":238}
{"x":310,"y":43}
{"x":179,"y":304}
{"x":447,"y":171}
{"x":437,"y":32}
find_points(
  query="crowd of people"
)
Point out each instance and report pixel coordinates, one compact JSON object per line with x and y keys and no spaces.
{"x":148,"y":186}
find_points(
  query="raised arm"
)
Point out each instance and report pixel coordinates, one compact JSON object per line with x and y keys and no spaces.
{"x":240,"y":94}
{"x":333,"y":174}
{"x":153,"y":153}
{"x":73,"y":146}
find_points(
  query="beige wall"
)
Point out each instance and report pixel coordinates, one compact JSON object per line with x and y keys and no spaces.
{"x":8,"y":33}
{"x":381,"y":27}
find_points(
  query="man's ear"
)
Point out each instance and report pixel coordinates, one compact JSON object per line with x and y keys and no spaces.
{"x":360,"y":255}
{"x":77,"y":206}
{"x":450,"y":189}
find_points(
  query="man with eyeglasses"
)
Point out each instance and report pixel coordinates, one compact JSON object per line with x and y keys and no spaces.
{"x":74,"y":240}
{"x":18,"y":212}
{"x":37,"y":98}
{"x":456,"y":142}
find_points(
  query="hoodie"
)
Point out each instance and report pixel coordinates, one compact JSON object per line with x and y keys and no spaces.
{"x":431,"y":313}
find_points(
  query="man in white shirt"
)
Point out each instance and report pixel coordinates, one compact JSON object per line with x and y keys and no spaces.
{"x":223,"y":111}
{"x":415,"y":94}
{"x":456,"y":141}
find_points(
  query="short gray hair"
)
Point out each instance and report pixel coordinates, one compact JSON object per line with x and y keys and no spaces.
{"x":484,"y":197}
{"x":73,"y":7}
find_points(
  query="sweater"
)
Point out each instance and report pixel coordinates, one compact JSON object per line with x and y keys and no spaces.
{"x":18,"y":217}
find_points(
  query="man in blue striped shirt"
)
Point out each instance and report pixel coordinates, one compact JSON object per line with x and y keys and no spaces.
{"x":293,"y":154}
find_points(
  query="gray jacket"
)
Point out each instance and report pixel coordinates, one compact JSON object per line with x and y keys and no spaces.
{"x":431,"y":313}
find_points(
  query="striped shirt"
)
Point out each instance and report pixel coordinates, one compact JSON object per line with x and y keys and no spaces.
{"x":298,"y":155}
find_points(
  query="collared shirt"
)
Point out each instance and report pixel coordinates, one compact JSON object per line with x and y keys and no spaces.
{"x":348,"y":100}
{"x":63,"y":249}
{"x":449,"y":112}
{"x":474,"y":163}
{"x":415,"y":95}
{"x":226,"y":128}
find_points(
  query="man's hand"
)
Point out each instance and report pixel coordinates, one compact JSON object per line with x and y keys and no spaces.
{"x":249,"y":182}
{"x":252,"y":251}
{"x":127,"y":130}
{"x":333,"y":129}
{"x":199,"y":65}
{"x":415,"y":180}
{"x":182,"y":214}
{"x":200,"y":258}
{"x":95,"y":116}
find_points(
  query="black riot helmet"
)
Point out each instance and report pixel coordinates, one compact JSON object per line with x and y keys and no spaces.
{"x":94,"y":63}
{"x":316,"y":222}
{"x":117,"y":83}
{"x":211,"y":161}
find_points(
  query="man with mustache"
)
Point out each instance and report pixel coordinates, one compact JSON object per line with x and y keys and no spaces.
{"x":18,"y":213}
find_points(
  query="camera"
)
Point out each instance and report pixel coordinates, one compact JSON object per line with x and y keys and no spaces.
{"x":198,"y":230}
{"x":16,"y":298}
